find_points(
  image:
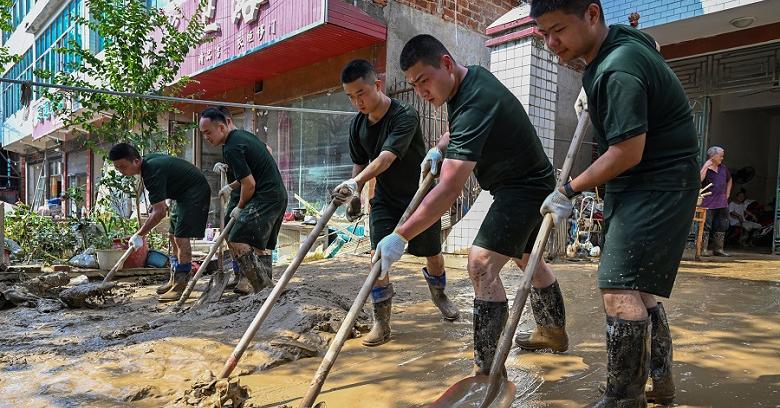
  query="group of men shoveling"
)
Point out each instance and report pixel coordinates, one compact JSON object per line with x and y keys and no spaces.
{"x":648,"y":145}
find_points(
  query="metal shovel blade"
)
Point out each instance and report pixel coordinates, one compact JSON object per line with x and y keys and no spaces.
{"x":471,"y":391}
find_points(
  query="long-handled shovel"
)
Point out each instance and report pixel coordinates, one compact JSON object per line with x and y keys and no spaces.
{"x":219,"y":279}
{"x":495,"y":390}
{"x":265,"y":310}
{"x":191,"y":284}
{"x":360,"y":300}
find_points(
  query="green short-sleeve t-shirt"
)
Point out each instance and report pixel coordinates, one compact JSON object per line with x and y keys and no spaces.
{"x":397,"y":132}
{"x":631,"y":90}
{"x":168,"y":177}
{"x":488,"y":125}
{"x":246,"y":155}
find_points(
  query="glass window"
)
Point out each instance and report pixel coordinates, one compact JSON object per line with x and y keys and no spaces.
{"x":12,"y":92}
{"x":312,"y":150}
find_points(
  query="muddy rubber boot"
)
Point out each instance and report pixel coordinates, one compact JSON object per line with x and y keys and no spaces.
{"x":628,"y":352}
{"x":437,"y":284}
{"x":265,"y":271}
{"x":550,"y":317}
{"x":660,"y":390}
{"x":180,"y":279}
{"x":718,"y":240}
{"x":383,"y":306}
{"x":167,"y":286}
{"x":253,"y":275}
{"x":235,"y":277}
{"x":489,"y":321}
{"x":705,"y":245}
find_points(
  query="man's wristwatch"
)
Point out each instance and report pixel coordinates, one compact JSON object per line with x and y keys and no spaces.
{"x":568,"y":191}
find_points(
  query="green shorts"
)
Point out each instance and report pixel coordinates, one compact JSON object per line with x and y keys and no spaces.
{"x":189,"y":217}
{"x":258,"y":224}
{"x":384,"y":219}
{"x":645,"y":234}
{"x":512,"y":222}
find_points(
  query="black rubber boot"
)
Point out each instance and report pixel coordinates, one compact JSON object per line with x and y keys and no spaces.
{"x":255,"y":274}
{"x":246,"y":262}
{"x":235,"y":276}
{"x":383,"y":306}
{"x":661,"y":389}
{"x":718,"y":240}
{"x":179,"y":284}
{"x":550,"y":317}
{"x":489,"y":321}
{"x":437,"y":284}
{"x":265,"y":271}
{"x":627,"y":355}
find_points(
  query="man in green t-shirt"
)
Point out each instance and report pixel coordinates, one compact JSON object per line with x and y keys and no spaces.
{"x":648,"y":145}
{"x":490,"y":135}
{"x":259,"y":204}
{"x":168,"y":177}
{"x":386,"y":143}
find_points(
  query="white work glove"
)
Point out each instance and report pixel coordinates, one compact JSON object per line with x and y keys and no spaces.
{"x":235,"y":213}
{"x":225,"y":191}
{"x":136,"y":242}
{"x":344,"y":191}
{"x":220,"y":167}
{"x":431,"y":163}
{"x":388,"y":251}
{"x":581,"y":104}
{"x":558,"y":205}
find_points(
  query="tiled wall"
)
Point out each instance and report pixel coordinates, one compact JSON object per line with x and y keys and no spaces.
{"x":656,"y":12}
{"x":530,"y":73}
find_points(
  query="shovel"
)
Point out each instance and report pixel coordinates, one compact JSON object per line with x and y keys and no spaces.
{"x":265,"y":310}
{"x":219,"y":280}
{"x":357,"y":305}
{"x":191,"y":284}
{"x":494,"y":390}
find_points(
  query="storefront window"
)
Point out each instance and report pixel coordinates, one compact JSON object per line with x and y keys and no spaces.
{"x":312,"y":150}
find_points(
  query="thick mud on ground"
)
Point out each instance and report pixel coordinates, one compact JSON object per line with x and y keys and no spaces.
{"x":724,"y":313}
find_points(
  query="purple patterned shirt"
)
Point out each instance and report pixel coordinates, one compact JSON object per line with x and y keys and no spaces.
{"x":720,"y":182}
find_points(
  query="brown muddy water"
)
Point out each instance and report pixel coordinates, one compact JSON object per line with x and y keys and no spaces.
{"x":724,"y":313}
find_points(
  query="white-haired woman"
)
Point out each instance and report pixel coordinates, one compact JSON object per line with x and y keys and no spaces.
{"x":717,"y":204}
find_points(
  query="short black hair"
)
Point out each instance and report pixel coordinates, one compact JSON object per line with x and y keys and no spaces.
{"x":121,"y":151}
{"x":425,"y":48}
{"x":576,"y":7}
{"x":358,"y":69}
{"x":225,"y":111}
{"x":214,"y":115}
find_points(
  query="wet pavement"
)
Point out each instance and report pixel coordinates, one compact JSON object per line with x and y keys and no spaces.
{"x":724,"y":314}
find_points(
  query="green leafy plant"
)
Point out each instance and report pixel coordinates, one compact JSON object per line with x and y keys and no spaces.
{"x":40,"y":237}
{"x":143,"y":50}
{"x":76,"y":195}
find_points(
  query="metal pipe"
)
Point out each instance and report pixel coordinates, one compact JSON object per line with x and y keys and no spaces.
{"x":175,"y":99}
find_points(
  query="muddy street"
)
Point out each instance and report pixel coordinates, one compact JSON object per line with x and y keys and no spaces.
{"x":724,"y":315}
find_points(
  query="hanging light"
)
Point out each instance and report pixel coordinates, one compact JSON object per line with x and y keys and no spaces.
{"x":742,"y":22}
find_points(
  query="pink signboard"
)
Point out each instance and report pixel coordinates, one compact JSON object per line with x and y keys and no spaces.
{"x":44,"y":120}
{"x":242,"y":27}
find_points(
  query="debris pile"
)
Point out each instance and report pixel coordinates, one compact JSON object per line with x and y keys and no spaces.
{"x":210,"y":392}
